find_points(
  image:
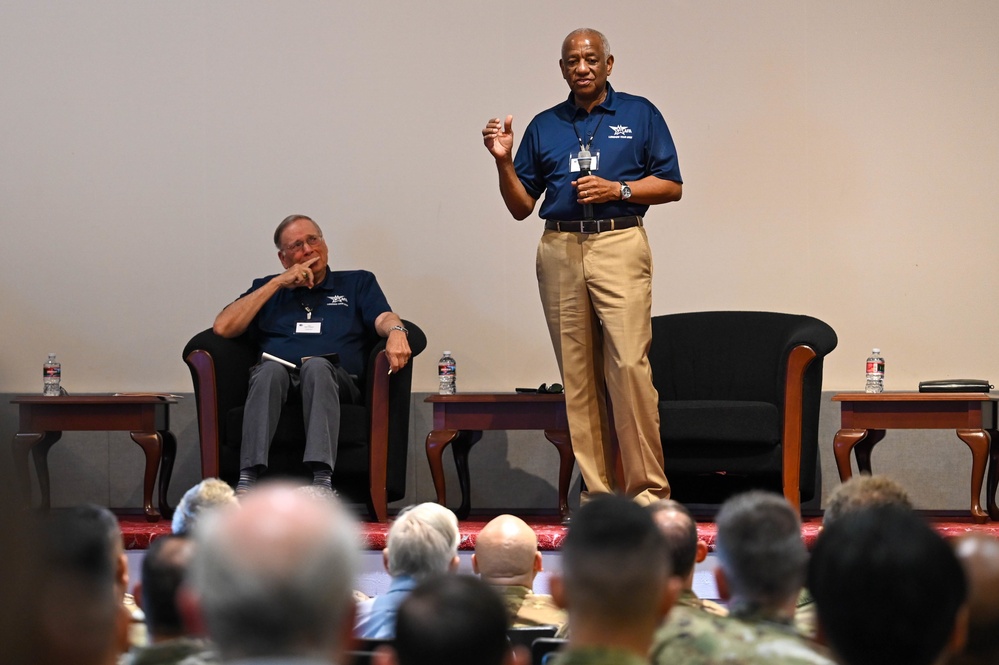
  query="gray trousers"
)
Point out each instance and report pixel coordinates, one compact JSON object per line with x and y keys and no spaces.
{"x":270,"y":383}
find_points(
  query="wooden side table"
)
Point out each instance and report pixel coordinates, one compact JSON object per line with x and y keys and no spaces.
{"x":866,"y":416}
{"x":461,"y":418}
{"x":146,"y":418}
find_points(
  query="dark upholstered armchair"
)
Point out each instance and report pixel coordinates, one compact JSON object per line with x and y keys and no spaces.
{"x":739,"y":401}
{"x":374,"y":435}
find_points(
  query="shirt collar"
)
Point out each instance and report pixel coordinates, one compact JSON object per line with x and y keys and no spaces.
{"x":569,"y":110}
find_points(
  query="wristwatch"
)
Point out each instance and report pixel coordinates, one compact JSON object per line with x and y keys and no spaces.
{"x":399,"y":328}
{"x":625,"y":191}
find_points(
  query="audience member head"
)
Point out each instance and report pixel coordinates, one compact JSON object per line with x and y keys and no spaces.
{"x":979,"y":555}
{"x":422,"y":541}
{"x":206,"y":495}
{"x":451,"y":619}
{"x":273,"y":577}
{"x":863,"y":491}
{"x":79,"y":595}
{"x":761,"y":555}
{"x":506,"y":552}
{"x":680,"y":531}
{"x":163,"y":571}
{"x":887,"y":588}
{"x":616,"y":577}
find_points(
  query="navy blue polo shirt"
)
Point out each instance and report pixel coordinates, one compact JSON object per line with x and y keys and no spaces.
{"x":631,"y":135}
{"x":347,"y":301}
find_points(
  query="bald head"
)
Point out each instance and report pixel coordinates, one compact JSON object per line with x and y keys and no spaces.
{"x":979,"y":555}
{"x":506,"y":552}
{"x":274,"y":576}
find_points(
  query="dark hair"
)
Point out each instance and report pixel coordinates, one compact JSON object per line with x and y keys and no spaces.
{"x":887,"y":587}
{"x":680,"y":533}
{"x":163,"y":570}
{"x":614,"y":560}
{"x":451,"y":619}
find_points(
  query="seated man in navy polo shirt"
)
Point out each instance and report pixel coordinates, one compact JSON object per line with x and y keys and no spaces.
{"x":308,"y":310}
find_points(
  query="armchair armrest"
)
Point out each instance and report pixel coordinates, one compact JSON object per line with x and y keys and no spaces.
{"x":798,"y":361}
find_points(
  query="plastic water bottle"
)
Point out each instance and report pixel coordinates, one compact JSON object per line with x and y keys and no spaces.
{"x":447,"y":373}
{"x":51,"y":376}
{"x":875,"y":372}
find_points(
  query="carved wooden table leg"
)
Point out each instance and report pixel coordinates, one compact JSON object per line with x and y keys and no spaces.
{"x":993,"y":482}
{"x":37,"y":444}
{"x":562,"y":442}
{"x":437,"y":441}
{"x":461,"y":445}
{"x":978,"y":441}
{"x":166,"y":470}
{"x":152,"y":445}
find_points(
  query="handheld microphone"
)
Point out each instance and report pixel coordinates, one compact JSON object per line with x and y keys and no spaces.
{"x":584,"y":170}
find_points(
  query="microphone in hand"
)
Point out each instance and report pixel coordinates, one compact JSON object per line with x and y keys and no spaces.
{"x":584,"y":170}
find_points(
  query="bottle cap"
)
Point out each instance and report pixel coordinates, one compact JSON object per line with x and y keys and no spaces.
{"x":447,"y":353}
{"x":876,"y":351}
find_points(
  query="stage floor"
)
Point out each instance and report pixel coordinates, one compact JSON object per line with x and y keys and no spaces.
{"x":138,"y":533}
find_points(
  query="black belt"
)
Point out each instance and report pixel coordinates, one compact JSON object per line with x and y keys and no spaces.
{"x":594,"y":225}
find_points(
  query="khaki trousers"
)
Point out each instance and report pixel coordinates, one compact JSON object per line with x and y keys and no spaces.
{"x":596,"y":291}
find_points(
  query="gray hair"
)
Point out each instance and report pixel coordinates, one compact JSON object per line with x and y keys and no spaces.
{"x":283,"y":593}
{"x":286,"y":222}
{"x":422,"y":541}
{"x":206,"y":495}
{"x":760,"y":549}
{"x":604,"y":43}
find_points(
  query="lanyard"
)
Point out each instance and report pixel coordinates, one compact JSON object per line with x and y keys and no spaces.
{"x":586,"y":148}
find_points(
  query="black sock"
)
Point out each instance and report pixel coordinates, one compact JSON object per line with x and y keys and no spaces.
{"x":247,"y":479}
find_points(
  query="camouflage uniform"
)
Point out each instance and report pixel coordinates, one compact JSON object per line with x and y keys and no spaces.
{"x":690,"y":599}
{"x":805,"y":617}
{"x":598,"y":656}
{"x":694,"y":637}
{"x":180,"y":651}
{"x":529,"y":609}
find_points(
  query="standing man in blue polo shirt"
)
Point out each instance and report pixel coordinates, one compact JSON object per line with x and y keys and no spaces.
{"x":600,"y":158}
{"x":308,"y":310}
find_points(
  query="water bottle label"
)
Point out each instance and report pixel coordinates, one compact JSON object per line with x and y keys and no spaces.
{"x":445,"y":370}
{"x":874,"y":367}
{"x":52,"y":372}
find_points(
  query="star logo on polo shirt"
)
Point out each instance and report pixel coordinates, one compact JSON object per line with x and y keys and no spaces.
{"x":337,"y":300}
{"x":620,"y":132}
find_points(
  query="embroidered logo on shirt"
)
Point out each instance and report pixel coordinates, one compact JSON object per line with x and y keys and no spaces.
{"x":337,"y":300}
{"x":621,"y":132}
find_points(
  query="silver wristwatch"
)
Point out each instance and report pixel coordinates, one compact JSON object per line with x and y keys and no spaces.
{"x":625,"y":191}
{"x":403,"y":329}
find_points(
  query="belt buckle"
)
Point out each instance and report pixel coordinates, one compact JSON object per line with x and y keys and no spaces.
{"x":594,"y":226}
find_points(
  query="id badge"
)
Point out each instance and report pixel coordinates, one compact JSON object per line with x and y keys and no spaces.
{"x":574,"y":161}
{"x":310,"y":327}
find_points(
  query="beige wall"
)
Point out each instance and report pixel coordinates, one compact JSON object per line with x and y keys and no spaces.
{"x":840,"y":160}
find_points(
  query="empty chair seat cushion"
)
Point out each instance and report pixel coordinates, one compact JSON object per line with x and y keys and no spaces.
{"x":720,"y":421}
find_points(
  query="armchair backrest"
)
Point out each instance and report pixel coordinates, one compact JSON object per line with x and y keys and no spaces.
{"x":732,"y":355}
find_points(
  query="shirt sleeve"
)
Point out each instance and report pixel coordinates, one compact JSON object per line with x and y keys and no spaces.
{"x":372,"y":299}
{"x":661,"y":160}
{"x":527,"y":163}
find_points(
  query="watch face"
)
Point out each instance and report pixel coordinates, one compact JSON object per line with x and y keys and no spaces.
{"x":625,"y":191}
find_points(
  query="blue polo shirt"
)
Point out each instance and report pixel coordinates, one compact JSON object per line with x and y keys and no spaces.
{"x":631,"y":135}
{"x":347,"y":302}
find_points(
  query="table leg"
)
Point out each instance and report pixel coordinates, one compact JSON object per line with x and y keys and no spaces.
{"x":978,"y":441}
{"x":166,"y":470}
{"x":560,"y":438}
{"x":462,"y":444}
{"x":843,"y":443}
{"x":38,"y":444}
{"x":152,"y":445}
{"x":437,"y":441}
{"x":993,"y":483}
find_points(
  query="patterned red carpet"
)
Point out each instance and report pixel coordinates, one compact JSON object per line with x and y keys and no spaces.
{"x":139,"y":533}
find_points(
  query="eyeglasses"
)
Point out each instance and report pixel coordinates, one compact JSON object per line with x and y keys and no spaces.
{"x":553,"y":389}
{"x":296,"y":247}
